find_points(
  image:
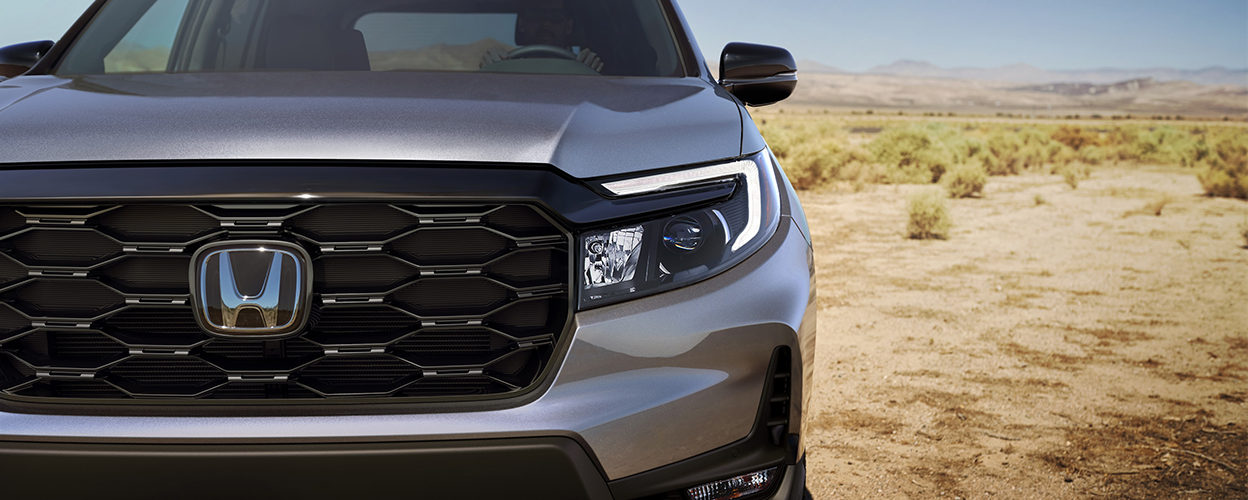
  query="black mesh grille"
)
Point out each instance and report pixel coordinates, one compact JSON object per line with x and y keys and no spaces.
{"x":244,"y":391}
{"x":11,"y":321}
{"x":91,"y":389}
{"x":83,"y":345}
{"x":149,"y":274}
{"x":416,"y":301}
{"x":512,"y":365}
{"x":529,"y":268}
{"x":10,"y":271}
{"x":166,"y":373}
{"x":452,"y":246}
{"x":156,"y":323}
{"x":55,"y":248}
{"x":435,"y":343}
{"x":10,"y":220}
{"x":464,"y":386}
{"x":371,"y":319}
{"x":523,"y":318}
{"x":12,"y":369}
{"x":367,"y":373}
{"x":347,"y":273}
{"x":519,"y":221}
{"x":452,"y":297}
{"x":259,"y":350}
{"x":354,"y":222}
{"x":158,"y":223}
{"x":65,"y":298}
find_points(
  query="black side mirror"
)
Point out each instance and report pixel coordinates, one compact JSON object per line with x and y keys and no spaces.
{"x":19,"y":58}
{"x":757,"y":74}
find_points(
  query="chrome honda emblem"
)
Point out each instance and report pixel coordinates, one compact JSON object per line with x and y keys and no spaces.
{"x":251,"y":288}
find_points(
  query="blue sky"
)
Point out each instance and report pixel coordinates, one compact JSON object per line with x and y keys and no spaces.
{"x":856,"y":35}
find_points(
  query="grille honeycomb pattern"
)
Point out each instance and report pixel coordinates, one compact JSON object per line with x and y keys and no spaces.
{"x":410,"y":301}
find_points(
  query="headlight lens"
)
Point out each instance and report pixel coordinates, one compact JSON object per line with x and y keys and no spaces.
{"x":643,"y":258}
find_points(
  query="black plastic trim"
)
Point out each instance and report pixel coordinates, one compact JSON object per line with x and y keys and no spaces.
{"x":326,"y":181}
{"x":53,"y":57}
{"x":684,"y":45}
{"x":520,"y":468}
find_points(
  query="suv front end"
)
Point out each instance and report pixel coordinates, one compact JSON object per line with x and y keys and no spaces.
{"x":476,"y":292}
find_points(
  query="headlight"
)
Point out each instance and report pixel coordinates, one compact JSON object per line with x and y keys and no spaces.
{"x":648,"y":257}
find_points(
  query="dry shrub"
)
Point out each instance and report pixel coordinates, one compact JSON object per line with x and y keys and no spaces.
{"x":1092,"y":155}
{"x":1011,"y":152}
{"x":1243,"y":231}
{"x":1072,"y":173}
{"x":814,"y":153}
{"x":819,"y":152}
{"x":805,"y":149}
{"x":1225,"y":171}
{"x":929,"y":214}
{"x":921,"y":154}
{"x":1040,"y":200}
{"x":965,"y":180}
{"x":1003,"y":158}
{"x":1165,"y":146}
{"x":1076,"y":137}
{"x":1157,"y":206}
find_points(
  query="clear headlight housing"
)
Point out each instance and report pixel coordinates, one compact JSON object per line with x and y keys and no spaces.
{"x":647,"y":257}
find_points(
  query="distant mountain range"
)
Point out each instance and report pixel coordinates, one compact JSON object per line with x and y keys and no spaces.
{"x":1026,"y":73}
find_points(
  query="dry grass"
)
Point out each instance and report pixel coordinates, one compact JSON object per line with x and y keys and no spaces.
{"x":819,"y":151}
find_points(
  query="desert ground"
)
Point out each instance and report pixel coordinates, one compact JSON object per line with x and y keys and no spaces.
{"x":1062,"y":343}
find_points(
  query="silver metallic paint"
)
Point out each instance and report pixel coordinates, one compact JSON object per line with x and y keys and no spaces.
{"x":585,"y":126}
{"x":646,"y":383}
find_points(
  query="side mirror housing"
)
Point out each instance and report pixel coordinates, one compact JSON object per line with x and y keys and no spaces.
{"x":19,"y":58}
{"x":757,"y":74}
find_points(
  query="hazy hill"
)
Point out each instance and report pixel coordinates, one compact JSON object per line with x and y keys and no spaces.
{"x":809,"y":66}
{"x":968,"y":96}
{"x":1026,"y":73}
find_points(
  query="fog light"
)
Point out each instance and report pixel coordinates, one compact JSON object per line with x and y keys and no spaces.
{"x":737,"y":487}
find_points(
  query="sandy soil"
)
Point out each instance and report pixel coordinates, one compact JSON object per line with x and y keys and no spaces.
{"x":1082,"y":347}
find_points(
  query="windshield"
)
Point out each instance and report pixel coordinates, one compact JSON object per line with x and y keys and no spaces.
{"x":578,"y":37}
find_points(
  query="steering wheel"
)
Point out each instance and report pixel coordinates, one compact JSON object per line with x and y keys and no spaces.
{"x":539,"y":51}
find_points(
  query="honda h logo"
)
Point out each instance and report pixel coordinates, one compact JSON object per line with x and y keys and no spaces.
{"x":265,"y":302}
{"x":251,"y":288}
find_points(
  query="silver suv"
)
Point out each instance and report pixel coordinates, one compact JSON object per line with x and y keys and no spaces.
{"x":397,"y":248}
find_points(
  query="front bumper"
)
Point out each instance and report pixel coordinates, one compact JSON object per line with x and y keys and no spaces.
{"x":645,"y":384}
{"x":519,"y":469}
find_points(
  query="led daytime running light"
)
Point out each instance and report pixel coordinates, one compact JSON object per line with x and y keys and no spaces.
{"x":671,"y":180}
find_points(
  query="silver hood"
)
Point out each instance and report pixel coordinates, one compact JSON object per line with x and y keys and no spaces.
{"x":585,"y":126}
